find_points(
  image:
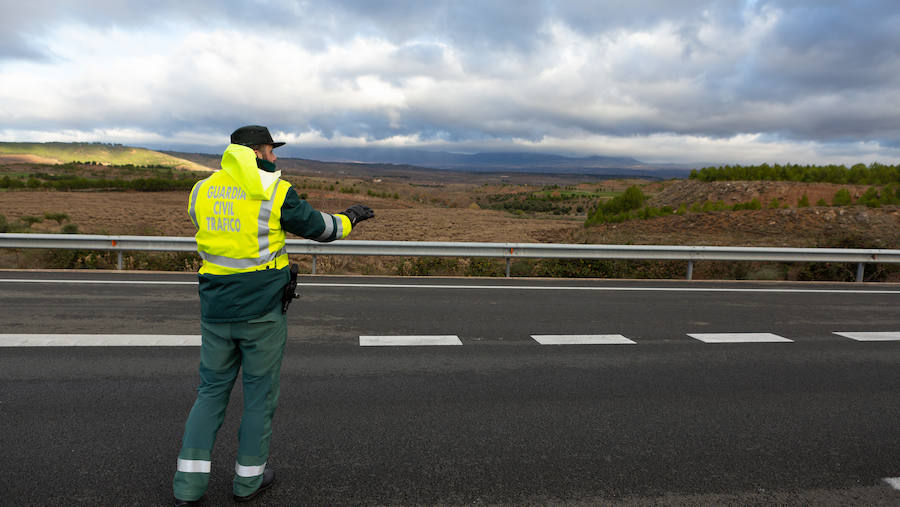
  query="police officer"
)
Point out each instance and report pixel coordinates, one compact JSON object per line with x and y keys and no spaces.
{"x":241,"y":213}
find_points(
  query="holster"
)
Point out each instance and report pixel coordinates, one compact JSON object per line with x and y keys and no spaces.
{"x":290,"y":290}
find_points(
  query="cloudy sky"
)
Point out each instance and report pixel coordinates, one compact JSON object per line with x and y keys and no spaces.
{"x":718,"y":81}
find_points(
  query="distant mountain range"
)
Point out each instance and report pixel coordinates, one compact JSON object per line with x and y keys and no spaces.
{"x":521,"y":162}
{"x":488,"y":162}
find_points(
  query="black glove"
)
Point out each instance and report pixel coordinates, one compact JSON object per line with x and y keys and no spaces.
{"x":357,"y":213}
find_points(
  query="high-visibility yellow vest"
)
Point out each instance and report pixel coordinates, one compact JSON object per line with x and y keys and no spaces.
{"x":237,"y":212}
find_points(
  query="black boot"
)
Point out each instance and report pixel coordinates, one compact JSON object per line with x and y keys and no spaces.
{"x":268,"y":479}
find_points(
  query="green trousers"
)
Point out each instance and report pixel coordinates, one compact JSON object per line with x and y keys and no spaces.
{"x":257,"y":346}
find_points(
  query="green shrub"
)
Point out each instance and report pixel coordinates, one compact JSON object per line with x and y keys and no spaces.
{"x":30,"y":220}
{"x":821,"y":202}
{"x":425,"y":266}
{"x":752,"y":205}
{"x":870,"y":198}
{"x":803,"y":202}
{"x":483,"y":266}
{"x":617,"y":208}
{"x":601,"y":268}
{"x":59,"y":217}
{"x":575,"y":268}
{"x":70,"y":229}
{"x":713,"y":206}
{"x":841,"y":198}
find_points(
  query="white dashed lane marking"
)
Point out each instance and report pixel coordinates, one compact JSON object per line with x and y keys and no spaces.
{"x":163,"y":340}
{"x":582,"y":339}
{"x":408,"y":341}
{"x":98,"y":340}
{"x":893,"y":482}
{"x":872,"y":337}
{"x":739,"y":337}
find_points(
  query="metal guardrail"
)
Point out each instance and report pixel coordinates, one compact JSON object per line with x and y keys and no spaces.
{"x":507,"y":251}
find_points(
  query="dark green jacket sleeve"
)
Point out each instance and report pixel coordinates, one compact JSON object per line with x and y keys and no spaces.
{"x":300,"y":218}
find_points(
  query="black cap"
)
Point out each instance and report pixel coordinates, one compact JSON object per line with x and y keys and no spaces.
{"x":252,"y":135}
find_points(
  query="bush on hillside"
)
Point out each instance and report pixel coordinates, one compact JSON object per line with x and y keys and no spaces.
{"x":841,"y":198}
{"x":617,"y":208}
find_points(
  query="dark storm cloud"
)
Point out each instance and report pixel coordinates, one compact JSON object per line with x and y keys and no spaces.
{"x":456,"y":71}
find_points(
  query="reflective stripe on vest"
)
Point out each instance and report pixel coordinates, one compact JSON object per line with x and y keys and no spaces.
{"x":329,"y":226}
{"x":249,"y":471}
{"x":265,"y":211}
{"x":193,"y":203}
{"x":332,"y":222}
{"x":233,"y":263}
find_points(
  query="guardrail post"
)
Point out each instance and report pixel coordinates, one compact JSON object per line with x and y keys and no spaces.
{"x":860,"y":271}
{"x":690,"y":273}
{"x":313,"y":264}
{"x":508,"y":262}
{"x":119,"y":261}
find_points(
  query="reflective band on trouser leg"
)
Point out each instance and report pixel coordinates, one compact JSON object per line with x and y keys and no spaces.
{"x":249,"y":471}
{"x":193,"y":466}
{"x":191,"y":475}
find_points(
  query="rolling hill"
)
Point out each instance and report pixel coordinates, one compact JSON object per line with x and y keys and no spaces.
{"x":106,"y":154}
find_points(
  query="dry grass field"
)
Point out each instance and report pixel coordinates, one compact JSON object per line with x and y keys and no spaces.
{"x":446,"y":206}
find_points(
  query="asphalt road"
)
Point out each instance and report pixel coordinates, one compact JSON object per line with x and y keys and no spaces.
{"x":499,"y":419}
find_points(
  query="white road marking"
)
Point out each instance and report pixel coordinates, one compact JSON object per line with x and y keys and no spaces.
{"x":739,"y":337}
{"x":582,"y":339}
{"x":608,"y":289}
{"x":489,"y":287}
{"x":893,"y":482}
{"x":408,"y":341}
{"x":872,"y":336}
{"x":99,"y":340}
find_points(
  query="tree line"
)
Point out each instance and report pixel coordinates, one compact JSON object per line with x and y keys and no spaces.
{"x":79,"y":183}
{"x":859,"y":174}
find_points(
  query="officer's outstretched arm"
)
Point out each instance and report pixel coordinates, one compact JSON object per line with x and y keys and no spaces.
{"x":300,"y":218}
